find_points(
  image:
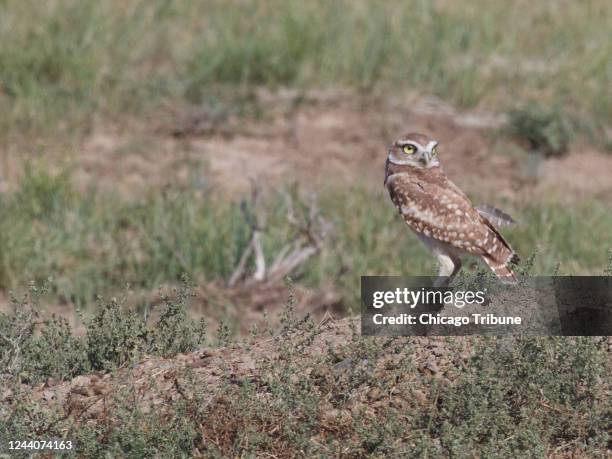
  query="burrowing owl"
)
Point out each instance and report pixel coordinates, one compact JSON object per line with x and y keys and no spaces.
{"x":440,"y":214}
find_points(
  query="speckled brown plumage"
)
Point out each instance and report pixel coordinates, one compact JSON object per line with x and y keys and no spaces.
{"x":438,"y":211}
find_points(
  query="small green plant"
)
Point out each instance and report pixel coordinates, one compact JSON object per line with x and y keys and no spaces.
{"x":537,"y":388}
{"x":69,"y":353}
{"x":33,"y":349}
{"x":174,"y":332}
{"x":115,"y":336}
{"x":17,"y":331}
{"x":544,"y":131}
{"x":223,"y":334}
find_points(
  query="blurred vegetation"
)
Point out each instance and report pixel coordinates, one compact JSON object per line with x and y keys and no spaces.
{"x":64,"y":65}
{"x":115,"y":336}
{"x":68,"y":60}
{"x":544,"y":131}
{"x":94,"y":243}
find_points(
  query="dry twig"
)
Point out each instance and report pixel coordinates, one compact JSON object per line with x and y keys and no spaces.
{"x":310,"y":231}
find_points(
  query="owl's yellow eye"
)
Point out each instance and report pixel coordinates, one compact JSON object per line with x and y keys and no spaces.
{"x":434,"y":151}
{"x":409,"y":149}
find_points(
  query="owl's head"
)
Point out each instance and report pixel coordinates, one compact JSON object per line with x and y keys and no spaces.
{"x":416,"y":150}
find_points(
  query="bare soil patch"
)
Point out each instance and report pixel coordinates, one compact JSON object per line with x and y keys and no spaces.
{"x":582,"y":173}
{"x":327,"y":139}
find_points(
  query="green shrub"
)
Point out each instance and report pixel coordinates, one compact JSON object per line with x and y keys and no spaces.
{"x":56,"y":352}
{"x":115,"y":337}
{"x":544,"y":130}
{"x":518,"y":397}
{"x":175,"y":332}
{"x":32,"y":349}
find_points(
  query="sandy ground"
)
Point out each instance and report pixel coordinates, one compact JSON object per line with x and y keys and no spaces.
{"x":328,"y":138}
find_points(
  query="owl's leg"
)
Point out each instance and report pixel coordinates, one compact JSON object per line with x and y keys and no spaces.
{"x":449,"y":266}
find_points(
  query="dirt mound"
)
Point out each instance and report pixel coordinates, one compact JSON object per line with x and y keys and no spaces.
{"x":320,"y":389}
{"x":157,"y":383}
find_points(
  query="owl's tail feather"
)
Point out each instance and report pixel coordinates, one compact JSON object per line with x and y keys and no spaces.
{"x":496,"y":217}
{"x":503,"y":271}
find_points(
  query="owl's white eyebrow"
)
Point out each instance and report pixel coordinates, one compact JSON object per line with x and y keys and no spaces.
{"x":402,"y":143}
{"x":431,"y":144}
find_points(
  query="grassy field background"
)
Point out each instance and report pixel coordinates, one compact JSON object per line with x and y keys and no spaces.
{"x":66,"y":63}
{"x":94,"y":244}
{"x":132,"y":135}
{"x":69,"y":69}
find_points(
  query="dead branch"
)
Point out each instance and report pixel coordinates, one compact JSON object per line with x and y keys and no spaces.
{"x":310,"y":231}
{"x":260,"y":260}
{"x":241,"y":266}
{"x":256,"y":223}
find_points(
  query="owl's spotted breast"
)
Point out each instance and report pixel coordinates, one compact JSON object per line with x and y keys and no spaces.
{"x":438,"y":212}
